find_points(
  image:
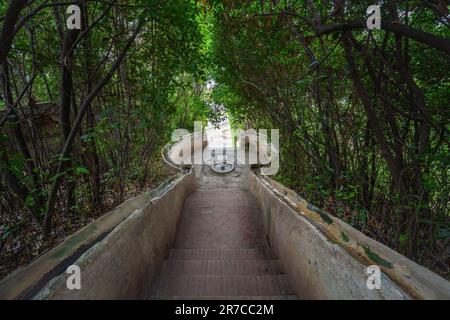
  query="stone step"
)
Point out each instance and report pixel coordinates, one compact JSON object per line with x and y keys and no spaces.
{"x":220,"y":198}
{"x":238,"y":227}
{"x":219,"y":241}
{"x":267,"y":285}
{"x":250,"y":212}
{"x":221,"y":267}
{"x":222,"y":254}
{"x":287,"y":297}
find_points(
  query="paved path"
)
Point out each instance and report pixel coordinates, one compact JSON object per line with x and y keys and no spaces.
{"x":220,"y":251}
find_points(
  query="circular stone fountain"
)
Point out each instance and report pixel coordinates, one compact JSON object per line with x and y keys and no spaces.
{"x":222,"y":166}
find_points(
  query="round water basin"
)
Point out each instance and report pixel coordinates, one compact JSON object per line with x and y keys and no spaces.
{"x":222,"y":167}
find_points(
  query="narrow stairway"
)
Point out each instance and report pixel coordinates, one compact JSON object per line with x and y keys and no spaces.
{"x":220,"y":251}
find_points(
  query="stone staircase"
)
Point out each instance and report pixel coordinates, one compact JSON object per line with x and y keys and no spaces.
{"x":220,"y":251}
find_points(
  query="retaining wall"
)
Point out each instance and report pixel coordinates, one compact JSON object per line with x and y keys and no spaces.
{"x":327,"y":258}
{"x":118,"y":254}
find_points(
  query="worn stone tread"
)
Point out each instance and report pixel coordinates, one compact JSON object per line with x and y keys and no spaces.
{"x":177,"y":285}
{"x":221,"y":267}
{"x":229,"y":198}
{"x":222,"y":254}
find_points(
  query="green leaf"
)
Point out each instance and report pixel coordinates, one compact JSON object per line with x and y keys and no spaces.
{"x":403,"y":238}
{"x":325,"y":217}
{"x":81,"y":170}
{"x":305,"y":81}
{"x":30,"y":201}
{"x":376,"y":258}
{"x":344,"y":236}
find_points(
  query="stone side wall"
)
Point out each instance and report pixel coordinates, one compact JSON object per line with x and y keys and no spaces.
{"x":118,"y":254}
{"x":318,"y":266}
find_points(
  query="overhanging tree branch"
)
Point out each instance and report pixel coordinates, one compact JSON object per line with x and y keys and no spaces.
{"x":430,"y":39}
